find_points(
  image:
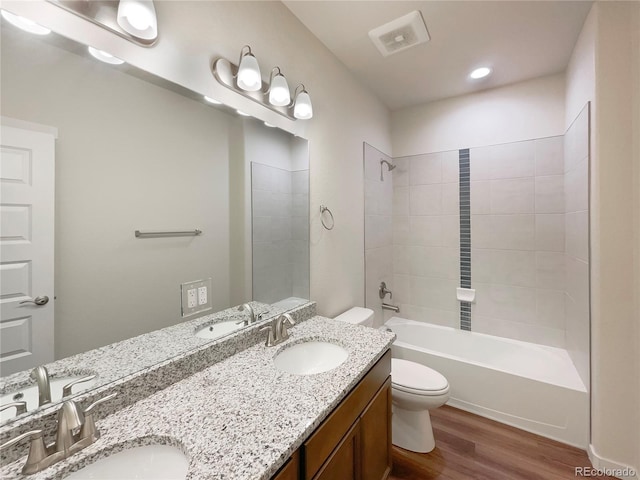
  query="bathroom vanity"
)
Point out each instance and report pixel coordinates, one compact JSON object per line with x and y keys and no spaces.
{"x":354,"y":442}
{"x":244,"y":418}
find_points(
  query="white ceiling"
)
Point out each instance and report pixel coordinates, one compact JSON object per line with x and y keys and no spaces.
{"x":518,"y":39}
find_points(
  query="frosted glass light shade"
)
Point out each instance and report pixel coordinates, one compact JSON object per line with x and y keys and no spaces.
{"x":303,"y":108}
{"x":249,"y":78}
{"x":279,"y":94}
{"x":104,"y":56}
{"x":24,"y":23}
{"x":138,"y":18}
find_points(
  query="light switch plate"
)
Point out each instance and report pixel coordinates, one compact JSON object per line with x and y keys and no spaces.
{"x":196,"y":297}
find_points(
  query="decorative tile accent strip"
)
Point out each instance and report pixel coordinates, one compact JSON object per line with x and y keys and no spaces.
{"x":465,"y":234}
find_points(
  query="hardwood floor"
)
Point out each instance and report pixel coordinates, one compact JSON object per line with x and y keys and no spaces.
{"x":473,"y":447}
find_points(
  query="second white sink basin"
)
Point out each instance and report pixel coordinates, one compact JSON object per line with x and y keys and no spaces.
{"x":309,"y":358}
{"x":150,"y":462}
{"x":219,"y":329}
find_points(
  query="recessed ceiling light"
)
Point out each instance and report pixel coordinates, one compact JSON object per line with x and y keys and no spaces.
{"x":105,"y":57}
{"x":212,"y":100}
{"x":240,"y":112}
{"x":480,"y":73}
{"x":25,"y":24}
{"x":267,"y":124}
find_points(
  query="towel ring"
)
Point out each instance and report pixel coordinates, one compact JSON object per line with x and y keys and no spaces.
{"x":333,"y":222}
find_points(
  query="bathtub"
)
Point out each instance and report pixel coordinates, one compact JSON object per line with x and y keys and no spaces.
{"x":529,"y":386}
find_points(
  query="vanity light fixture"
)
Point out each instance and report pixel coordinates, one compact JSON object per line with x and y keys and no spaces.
{"x":479,"y":73}
{"x":248,"y":76}
{"x":24,"y":23}
{"x":104,"y":56}
{"x":245,"y":79}
{"x":278,"y":90}
{"x":138,"y":18}
{"x":302,"y":107}
{"x":212,"y":100}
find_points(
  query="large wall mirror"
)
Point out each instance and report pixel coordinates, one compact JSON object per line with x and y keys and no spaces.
{"x":133,"y":154}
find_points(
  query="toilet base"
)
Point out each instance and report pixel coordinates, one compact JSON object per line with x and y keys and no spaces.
{"x":411,"y":430}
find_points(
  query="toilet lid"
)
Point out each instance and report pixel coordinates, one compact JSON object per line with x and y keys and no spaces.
{"x":413,"y":376}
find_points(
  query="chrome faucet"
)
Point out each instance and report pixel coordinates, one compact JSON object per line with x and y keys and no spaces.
{"x":70,"y":418}
{"x":252,"y":314}
{"x":41,"y":376}
{"x":277,"y":331}
{"x":282,"y":333}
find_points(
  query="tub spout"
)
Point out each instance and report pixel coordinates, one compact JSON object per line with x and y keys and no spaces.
{"x":393,"y":308}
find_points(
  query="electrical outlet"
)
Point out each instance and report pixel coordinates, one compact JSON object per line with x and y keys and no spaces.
{"x":202,"y":295}
{"x":191,"y":298}
{"x":195,"y":297}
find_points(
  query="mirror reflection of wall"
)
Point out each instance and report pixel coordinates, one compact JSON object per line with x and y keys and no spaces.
{"x":279,"y":216}
{"x":131,"y":155}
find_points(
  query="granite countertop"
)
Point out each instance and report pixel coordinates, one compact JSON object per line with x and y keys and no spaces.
{"x":125,"y":357}
{"x":240,"y":418}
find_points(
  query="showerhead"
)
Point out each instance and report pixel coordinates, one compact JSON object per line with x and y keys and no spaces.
{"x":390,"y":166}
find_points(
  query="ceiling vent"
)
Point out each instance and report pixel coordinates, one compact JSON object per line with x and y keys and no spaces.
{"x":400,"y":34}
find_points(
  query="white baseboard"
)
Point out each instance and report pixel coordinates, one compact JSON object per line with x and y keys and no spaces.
{"x":601,"y":463}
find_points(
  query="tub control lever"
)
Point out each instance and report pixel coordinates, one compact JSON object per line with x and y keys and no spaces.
{"x":384,"y":290}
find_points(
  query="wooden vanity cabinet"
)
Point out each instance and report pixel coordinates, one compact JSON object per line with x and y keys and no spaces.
{"x":354,"y":442}
{"x":290,"y":470}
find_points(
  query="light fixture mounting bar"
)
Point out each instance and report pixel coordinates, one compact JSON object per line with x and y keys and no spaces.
{"x":224,"y":72}
{"x":103,"y":13}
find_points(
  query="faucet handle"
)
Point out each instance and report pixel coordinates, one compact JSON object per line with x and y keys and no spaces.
{"x":37,"y":448}
{"x":66,"y":390}
{"x":32,"y":435}
{"x":21,"y":407}
{"x":89,"y":428}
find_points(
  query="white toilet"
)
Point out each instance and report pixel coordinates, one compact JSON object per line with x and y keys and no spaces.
{"x":415,"y":389}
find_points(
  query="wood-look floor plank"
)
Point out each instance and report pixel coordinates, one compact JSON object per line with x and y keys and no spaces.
{"x":470,"y":447}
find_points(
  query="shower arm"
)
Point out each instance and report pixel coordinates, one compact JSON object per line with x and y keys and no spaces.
{"x":390,"y":167}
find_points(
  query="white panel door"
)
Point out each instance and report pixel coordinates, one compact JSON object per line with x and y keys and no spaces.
{"x":26,"y":247}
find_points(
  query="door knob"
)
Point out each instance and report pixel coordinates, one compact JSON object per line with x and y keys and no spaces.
{"x":37,"y":301}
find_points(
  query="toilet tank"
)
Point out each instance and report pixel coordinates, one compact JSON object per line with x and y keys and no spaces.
{"x":357,"y":316}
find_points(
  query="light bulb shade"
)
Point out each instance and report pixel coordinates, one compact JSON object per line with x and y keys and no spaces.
{"x":138,"y":18}
{"x":279,"y":94}
{"x":104,"y":56}
{"x":24,"y":23}
{"x":249,"y":78}
{"x":303,"y":108}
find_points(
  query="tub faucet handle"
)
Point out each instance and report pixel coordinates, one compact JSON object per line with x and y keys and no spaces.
{"x":384,"y":290}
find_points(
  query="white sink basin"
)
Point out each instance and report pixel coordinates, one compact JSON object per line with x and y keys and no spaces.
{"x":219,"y":329}
{"x":309,"y":358}
{"x":150,"y":462}
{"x":30,"y":394}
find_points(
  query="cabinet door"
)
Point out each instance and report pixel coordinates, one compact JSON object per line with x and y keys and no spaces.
{"x":375,"y":435}
{"x":344,"y":462}
{"x":290,"y":470}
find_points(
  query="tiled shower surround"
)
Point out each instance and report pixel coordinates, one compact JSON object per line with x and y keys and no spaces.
{"x":529,"y":239}
{"x":517,"y":225}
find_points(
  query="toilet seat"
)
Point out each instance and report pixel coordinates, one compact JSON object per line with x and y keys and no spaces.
{"x":417,"y":379}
